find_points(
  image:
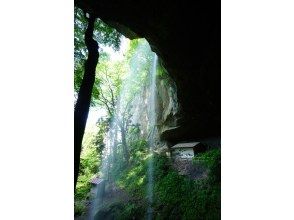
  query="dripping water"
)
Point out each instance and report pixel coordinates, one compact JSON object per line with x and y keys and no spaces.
{"x":152,"y":130}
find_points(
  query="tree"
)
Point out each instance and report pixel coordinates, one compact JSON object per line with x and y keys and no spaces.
{"x":110,"y":74}
{"x":109,"y":78}
{"x":85,"y":83}
{"x":115,"y":98}
{"x":83,"y":102}
{"x":102,"y":33}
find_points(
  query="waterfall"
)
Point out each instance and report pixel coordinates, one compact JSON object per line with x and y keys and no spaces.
{"x":152,"y":130}
{"x":138,"y":88}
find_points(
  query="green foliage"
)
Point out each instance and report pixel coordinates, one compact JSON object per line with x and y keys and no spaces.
{"x":90,"y":160}
{"x":79,"y":208}
{"x":109,"y":76}
{"x":161,"y":71}
{"x":132,"y":178}
{"x":188,"y":199}
{"x":122,"y":210}
{"x":103,"y":34}
{"x":212,"y":161}
{"x":175,"y":196}
{"x":98,"y":137}
{"x":88,"y":168}
{"x":180,"y":197}
{"x":118,"y":97}
{"x":207,"y":158}
{"x":140,"y":57}
{"x":127,"y":211}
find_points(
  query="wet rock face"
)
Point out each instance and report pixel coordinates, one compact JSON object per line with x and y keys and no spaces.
{"x":186,"y":36}
{"x":166,"y":108}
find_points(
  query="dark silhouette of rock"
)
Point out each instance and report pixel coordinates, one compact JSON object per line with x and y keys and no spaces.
{"x":186,"y":36}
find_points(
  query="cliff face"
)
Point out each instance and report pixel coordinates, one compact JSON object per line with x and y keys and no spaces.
{"x":166,"y":109}
{"x":186,"y":36}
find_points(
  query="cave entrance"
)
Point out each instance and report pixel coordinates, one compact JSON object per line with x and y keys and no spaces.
{"x":128,"y":99}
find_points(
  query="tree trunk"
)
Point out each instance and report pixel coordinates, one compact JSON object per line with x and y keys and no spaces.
{"x":84,"y":96}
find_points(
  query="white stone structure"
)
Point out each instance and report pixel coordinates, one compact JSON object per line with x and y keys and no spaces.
{"x":184,"y":150}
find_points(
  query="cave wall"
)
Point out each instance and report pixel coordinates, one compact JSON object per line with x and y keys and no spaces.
{"x":186,"y":36}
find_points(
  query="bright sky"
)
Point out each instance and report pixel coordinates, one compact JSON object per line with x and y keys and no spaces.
{"x":94,"y":115}
{"x":117,"y":55}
